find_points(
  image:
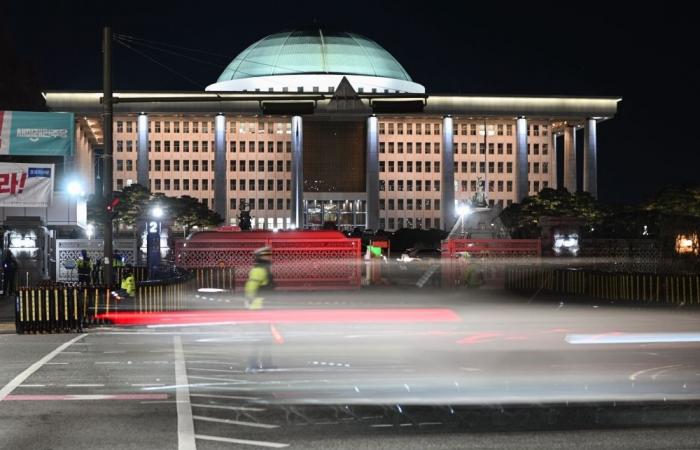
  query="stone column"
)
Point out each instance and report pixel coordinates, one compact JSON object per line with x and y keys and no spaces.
{"x":142,"y":150}
{"x":590,"y":158}
{"x":297,"y":210}
{"x":570,"y":158}
{"x":520,"y":172}
{"x":372,"y":173}
{"x":220,"y":167}
{"x":447,"y":195}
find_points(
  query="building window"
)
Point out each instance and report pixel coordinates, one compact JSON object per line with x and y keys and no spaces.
{"x":509,"y":130}
{"x":185,"y":166}
{"x":166,"y":165}
{"x":195,"y":166}
{"x":545,"y":167}
{"x":157,"y":184}
{"x":176,"y":147}
{"x":382,"y":166}
{"x":241,"y":185}
{"x":129,"y":146}
{"x":231,"y":185}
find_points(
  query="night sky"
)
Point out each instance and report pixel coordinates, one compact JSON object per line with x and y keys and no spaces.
{"x":647,"y":56}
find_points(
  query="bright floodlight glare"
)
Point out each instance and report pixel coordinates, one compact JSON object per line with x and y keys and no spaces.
{"x":463,"y":210}
{"x":90,"y":230}
{"x":75,"y":188}
{"x":157,"y":212}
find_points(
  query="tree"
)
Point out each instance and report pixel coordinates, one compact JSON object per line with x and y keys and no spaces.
{"x":136,"y":202}
{"x":675,"y":201}
{"x":523,"y":218}
{"x":187,"y":212}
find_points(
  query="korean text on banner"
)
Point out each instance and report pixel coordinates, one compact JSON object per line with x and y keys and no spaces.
{"x":36,"y":133}
{"x":26,"y":185}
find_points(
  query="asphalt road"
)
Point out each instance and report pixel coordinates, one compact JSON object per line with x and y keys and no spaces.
{"x":459,"y":370}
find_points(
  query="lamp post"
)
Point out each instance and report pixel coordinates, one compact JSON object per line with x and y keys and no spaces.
{"x":463,"y":211}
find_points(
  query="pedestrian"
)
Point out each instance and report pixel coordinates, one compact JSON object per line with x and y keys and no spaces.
{"x":9,"y":270}
{"x":259,"y":278}
{"x":84,"y":267}
{"x":257,"y":287}
{"x":128,"y":283}
{"x":97,"y":272}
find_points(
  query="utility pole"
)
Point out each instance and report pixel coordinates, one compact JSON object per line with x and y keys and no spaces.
{"x":107,"y":188}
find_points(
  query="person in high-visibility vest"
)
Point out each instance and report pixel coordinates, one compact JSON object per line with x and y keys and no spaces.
{"x":259,"y":283}
{"x":128,"y":283}
{"x":84,"y":267}
{"x":259,"y":278}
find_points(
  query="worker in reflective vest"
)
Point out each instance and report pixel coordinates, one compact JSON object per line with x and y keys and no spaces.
{"x":84,"y":267}
{"x":259,"y":282}
{"x":259,"y":278}
{"x":128,"y":283}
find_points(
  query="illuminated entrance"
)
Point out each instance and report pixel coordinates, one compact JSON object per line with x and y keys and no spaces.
{"x":346,"y":214}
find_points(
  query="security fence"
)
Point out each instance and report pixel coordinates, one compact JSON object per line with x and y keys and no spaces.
{"x":651,"y":288}
{"x":70,"y":307}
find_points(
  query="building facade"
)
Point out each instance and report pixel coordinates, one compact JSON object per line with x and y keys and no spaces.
{"x":310,"y":126}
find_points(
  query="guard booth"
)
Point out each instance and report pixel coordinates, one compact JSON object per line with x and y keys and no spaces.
{"x":30,"y":243}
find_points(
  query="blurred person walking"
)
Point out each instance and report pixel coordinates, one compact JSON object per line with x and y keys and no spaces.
{"x":259,"y":284}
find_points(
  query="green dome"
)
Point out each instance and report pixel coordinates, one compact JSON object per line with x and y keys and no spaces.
{"x":314,"y":51}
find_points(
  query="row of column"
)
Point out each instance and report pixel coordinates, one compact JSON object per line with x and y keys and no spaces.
{"x":448,"y":213}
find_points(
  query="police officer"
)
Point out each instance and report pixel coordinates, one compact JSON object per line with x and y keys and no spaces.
{"x":128,"y":283}
{"x":9,"y":269}
{"x":259,"y":278}
{"x":259,"y":283}
{"x":84,"y":267}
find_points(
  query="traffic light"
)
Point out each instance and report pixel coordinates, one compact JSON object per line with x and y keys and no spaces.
{"x":112,"y":206}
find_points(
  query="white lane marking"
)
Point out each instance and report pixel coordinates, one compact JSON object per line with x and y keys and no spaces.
{"x":232,"y":408}
{"x":381,"y":425}
{"x":228,"y":380}
{"x":634,"y":376}
{"x":107,"y":362}
{"x":56,"y":363}
{"x":235,"y":422}
{"x":230,"y":397}
{"x":422,"y":424}
{"x":146,"y":384}
{"x":632,"y":338}
{"x":32,"y":385}
{"x":85,"y":385}
{"x":216,"y":370}
{"x":19,"y":379}
{"x":241,"y":441}
{"x":185,"y":423}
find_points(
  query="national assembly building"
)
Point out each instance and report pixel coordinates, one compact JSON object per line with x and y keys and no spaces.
{"x":311,"y":126}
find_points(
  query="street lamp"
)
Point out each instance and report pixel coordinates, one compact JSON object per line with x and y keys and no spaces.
{"x":75,"y":188}
{"x":157,"y":212}
{"x":463,"y":211}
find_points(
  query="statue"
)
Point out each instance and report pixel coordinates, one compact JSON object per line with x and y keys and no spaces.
{"x":244,"y":216}
{"x":479,"y":198}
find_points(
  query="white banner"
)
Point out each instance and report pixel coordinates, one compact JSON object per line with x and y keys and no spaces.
{"x":26,"y":185}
